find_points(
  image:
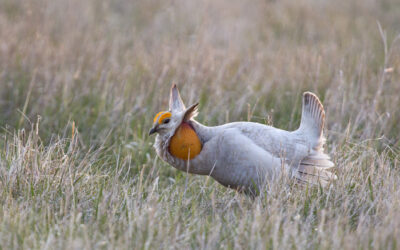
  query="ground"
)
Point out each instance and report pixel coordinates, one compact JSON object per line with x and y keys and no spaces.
{"x":80,"y":82}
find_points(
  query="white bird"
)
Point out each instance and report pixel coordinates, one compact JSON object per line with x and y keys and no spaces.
{"x":243,"y":155}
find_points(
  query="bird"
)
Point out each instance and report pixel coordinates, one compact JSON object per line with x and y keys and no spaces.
{"x":244,"y":156}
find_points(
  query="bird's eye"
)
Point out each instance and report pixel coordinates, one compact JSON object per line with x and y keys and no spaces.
{"x":166,"y":121}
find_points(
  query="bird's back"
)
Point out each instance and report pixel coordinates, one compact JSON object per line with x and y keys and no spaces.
{"x":278,"y":142}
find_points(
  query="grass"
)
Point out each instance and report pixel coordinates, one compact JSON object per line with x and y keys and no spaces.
{"x":80,"y":84}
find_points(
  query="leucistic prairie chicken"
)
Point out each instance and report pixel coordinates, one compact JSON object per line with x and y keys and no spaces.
{"x":243,"y":155}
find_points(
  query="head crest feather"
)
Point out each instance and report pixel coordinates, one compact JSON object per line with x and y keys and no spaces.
{"x":175,"y":100}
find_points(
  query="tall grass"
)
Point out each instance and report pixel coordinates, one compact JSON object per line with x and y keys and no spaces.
{"x":80,"y":82}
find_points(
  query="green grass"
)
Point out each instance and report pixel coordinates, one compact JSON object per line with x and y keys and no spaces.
{"x":80,"y":82}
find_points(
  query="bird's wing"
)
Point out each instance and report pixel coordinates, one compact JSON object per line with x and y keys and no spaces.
{"x":279,"y":143}
{"x":237,"y":161}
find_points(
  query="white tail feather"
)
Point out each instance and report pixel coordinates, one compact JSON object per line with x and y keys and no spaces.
{"x":312,"y":120}
{"x":314,"y":175}
{"x":313,"y":168}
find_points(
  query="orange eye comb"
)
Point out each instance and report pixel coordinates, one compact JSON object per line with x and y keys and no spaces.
{"x":161,"y":116}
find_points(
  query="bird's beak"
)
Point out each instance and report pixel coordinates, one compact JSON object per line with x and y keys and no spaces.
{"x":153,"y":130}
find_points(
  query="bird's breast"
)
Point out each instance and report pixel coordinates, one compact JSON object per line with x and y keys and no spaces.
{"x":185,"y":144}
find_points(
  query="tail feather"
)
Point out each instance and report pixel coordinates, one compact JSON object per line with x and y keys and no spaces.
{"x":312,"y":120}
{"x":320,"y":179}
{"x":313,"y":168}
{"x":319,"y":160}
{"x":314,"y":175}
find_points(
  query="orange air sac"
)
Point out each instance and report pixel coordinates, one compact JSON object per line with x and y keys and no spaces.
{"x":185,"y":144}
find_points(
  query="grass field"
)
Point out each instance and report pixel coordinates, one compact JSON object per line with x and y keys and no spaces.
{"x":80,"y":82}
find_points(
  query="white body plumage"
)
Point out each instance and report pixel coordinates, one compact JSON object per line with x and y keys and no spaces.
{"x":245,"y":155}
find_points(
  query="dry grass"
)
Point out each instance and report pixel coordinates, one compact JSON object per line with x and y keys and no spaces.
{"x":80,"y":83}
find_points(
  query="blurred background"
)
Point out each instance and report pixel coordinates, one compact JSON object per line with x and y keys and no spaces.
{"x":110,"y":64}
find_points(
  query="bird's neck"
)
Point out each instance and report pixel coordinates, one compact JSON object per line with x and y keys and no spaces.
{"x":185,"y":143}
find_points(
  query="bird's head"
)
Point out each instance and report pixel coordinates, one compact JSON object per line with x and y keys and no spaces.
{"x":165,"y":123}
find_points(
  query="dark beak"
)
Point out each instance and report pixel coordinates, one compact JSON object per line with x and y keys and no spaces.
{"x":153,"y":130}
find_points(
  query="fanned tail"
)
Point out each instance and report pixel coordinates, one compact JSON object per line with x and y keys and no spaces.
{"x":313,"y":168}
{"x":312,"y":120}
